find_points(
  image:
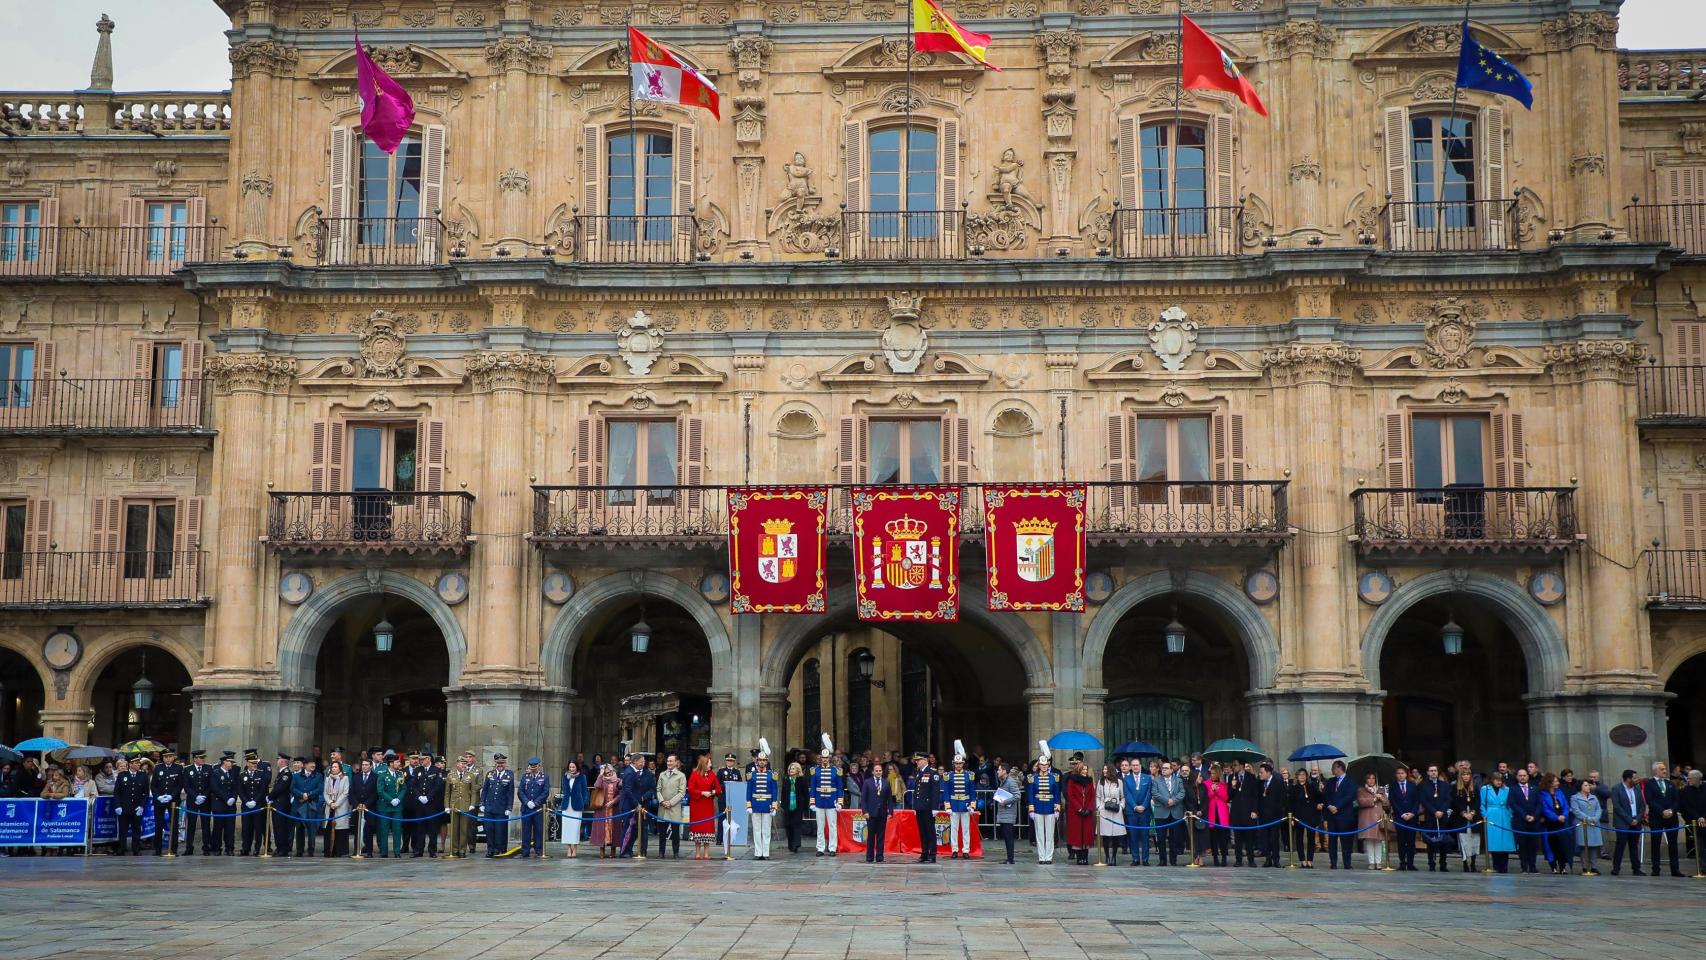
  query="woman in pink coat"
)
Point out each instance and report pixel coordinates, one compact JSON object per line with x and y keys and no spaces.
{"x":1219,"y":816}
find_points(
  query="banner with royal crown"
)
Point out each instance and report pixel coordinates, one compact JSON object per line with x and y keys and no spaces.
{"x":1034,"y":538}
{"x":776,"y":549}
{"x":906,"y":552}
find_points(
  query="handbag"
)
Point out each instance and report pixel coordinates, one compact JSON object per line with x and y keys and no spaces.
{"x":1112,"y":806}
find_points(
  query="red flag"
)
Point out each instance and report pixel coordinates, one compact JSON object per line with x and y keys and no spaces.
{"x":659,"y":75}
{"x":776,"y":549}
{"x":1034,"y":539}
{"x":906,"y":552}
{"x":1207,"y":67}
{"x":387,"y":110}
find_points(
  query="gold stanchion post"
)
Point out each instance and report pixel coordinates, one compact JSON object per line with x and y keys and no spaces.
{"x":1699,"y":873}
{"x":171,"y":829}
{"x":639,"y":830}
{"x":360,"y":822}
{"x":1191,"y":838}
{"x":545,"y":832}
{"x":1291,"y":828}
{"x":1487,"y":845}
{"x":266,"y":833}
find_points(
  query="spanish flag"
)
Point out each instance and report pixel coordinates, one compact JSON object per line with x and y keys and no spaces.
{"x":932,"y":31}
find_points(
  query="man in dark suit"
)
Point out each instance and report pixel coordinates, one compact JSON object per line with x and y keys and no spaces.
{"x":1340,"y":807}
{"x":1525,"y":820}
{"x":1242,"y":799}
{"x":1435,"y":816}
{"x":639,"y":785}
{"x":1628,"y":811}
{"x":363,"y":798}
{"x":1663,"y":801}
{"x":1270,"y":806}
{"x":1406,"y":801}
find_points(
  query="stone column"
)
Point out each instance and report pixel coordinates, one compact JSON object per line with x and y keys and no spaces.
{"x":520,"y":56}
{"x":773,"y":718}
{"x":1583,"y":47}
{"x":259,"y":83}
{"x":1303,"y":43}
{"x":247,"y":715}
{"x":70,"y":725}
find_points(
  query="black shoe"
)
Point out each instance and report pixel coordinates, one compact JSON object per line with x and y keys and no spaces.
{"x":820,"y":853}
{"x":1637,"y":872}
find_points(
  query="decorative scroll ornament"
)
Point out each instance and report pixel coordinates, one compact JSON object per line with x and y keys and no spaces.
{"x":509,"y":369}
{"x":249,"y":371}
{"x":265,"y":56}
{"x":640,"y":343}
{"x":382,"y":349}
{"x":519,"y":53}
{"x":1595,"y":359}
{"x":1297,"y":362}
{"x":1173,"y":338}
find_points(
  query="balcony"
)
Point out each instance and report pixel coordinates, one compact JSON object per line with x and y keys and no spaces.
{"x":147,"y":114}
{"x":102,"y":580}
{"x":128,"y":407}
{"x":1450,"y":226}
{"x":1198,"y":514}
{"x":371,"y":521}
{"x":1676,"y":579}
{"x":379,"y":242}
{"x":1466,"y":519}
{"x":1660,"y":73}
{"x":111,"y":253}
{"x":636,"y":239}
{"x":1169,"y":232}
{"x":903,"y":234}
{"x":1678,"y":225}
{"x":1671,"y":396}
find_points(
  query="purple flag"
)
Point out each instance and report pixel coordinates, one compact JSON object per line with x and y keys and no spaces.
{"x":386,"y":108}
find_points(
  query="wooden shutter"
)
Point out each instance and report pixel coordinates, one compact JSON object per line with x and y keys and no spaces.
{"x":592,"y":179}
{"x":139,"y":404}
{"x":1224,"y":195}
{"x":133,"y":237}
{"x":432,"y":470}
{"x":326,"y":475}
{"x":685,"y":137}
{"x":1395,"y":459}
{"x":432,"y":190}
{"x":853,"y":458}
{"x":186,"y":544}
{"x":48,"y":211}
{"x":340,"y":197}
{"x":1397,"y":144}
{"x":106,"y":531}
{"x":853,"y":173}
{"x":1693,"y":520}
{"x":690,"y":458}
{"x":47,"y":402}
{"x":1227,"y":441}
{"x":1685,"y":347}
{"x":195,"y":232}
{"x":38,"y":545}
{"x":956,"y":450}
{"x":1493,"y":140}
{"x":948,"y":144}
{"x":1122,"y":466}
{"x":190,"y":396}
{"x":1510,"y":511}
{"x":589,"y":460}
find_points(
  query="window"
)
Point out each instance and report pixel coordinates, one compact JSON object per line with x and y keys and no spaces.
{"x":647,"y":204}
{"x":389,"y":194}
{"x":903,"y":178}
{"x":1173,"y":449}
{"x":1442,"y":170}
{"x":17,"y":374}
{"x":167,"y":231}
{"x":811,"y":691}
{"x":20,"y":232}
{"x":150,"y":531}
{"x":1448,"y":452}
{"x":641,"y":452}
{"x":13,"y":514}
{"x":906,"y":451}
{"x":1174,"y":175}
{"x":168,"y":389}
{"x":383,"y":457}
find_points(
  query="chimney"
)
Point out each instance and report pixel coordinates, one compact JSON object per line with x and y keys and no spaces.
{"x":101,"y":75}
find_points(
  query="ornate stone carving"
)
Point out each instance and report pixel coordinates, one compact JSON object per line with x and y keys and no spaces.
{"x":1159,"y":47}
{"x":257,"y":182}
{"x":751,"y":55}
{"x":1433,"y":38}
{"x":1433,"y":86}
{"x":519,"y":53}
{"x":469,"y":17}
{"x":513,"y":181}
{"x":1173,"y":338}
{"x":640,"y":343}
{"x":17,"y":171}
{"x":906,"y":339}
{"x":1449,"y":332}
{"x":1594,"y":359}
{"x":794,"y":217}
{"x":1301,"y":36}
{"x":1587,"y":163}
{"x":420,"y":18}
{"x":1058,"y":47}
{"x":1693,"y":137}
{"x":1305,"y":169}
{"x":233,"y":372}
{"x":1575,"y":29}
{"x":314,"y":18}
{"x":266,"y":56}
{"x":1330,"y":362}
{"x":1013,"y":210}
{"x":509,"y":369}
{"x":749,"y":120}
{"x":382,"y":349}
{"x":1452,"y":392}
{"x":395,"y":60}
{"x":164,"y":172}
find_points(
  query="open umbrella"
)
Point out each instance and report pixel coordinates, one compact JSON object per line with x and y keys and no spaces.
{"x":40,"y":744}
{"x":1383,"y":765}
{"x":1073,"y":740}
{"x":75,"y":754}
{"x":8,"y":755}
{"x":141,"y":746}
{"x":1316,"y":751}
{"x":1137,"y":748}
{"x":1233,"y":748}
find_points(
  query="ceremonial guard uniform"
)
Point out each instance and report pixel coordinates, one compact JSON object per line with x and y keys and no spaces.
{"x":761,"y":801}
{"x":391,"y":793}
{"x":166,"y":786}
{"x":926,"y":800}
{"x":826,"y":799}
{"x":198,"y":796}
{"x":461,"y":797}
{"x":1042,"y":797}
{"x":534,"y":793}
{"x":495,"y":796}
{"x":251,"y":801}
{"x":223,"y":826}
{"x":278,"y":796}
{"x":960,"y":787}
{"x":130,"y":796}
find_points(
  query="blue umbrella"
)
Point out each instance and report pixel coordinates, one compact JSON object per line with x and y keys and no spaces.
{"x":40,"y":744}
{"x":1316,"y":751}
{"x":1073,"y":740}
{"x":1138,"y":748}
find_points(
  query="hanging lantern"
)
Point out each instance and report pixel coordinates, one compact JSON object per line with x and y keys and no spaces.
{"x":640,"y":635}
{"x":867,"y":664}
{"x":1451,"y":637}
{"x":1175,"y":637}
{"x":142,"y":691}
{"x":384,"y":635}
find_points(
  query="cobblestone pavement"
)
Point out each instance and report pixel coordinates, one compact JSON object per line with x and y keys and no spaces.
{"x":806,"y":908}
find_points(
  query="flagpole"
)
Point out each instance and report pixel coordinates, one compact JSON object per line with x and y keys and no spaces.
{"x":906,"y":138}
{"x":1448,"y":135}
{"x":633,"y":145}
{"x":1173,"y":147}
{"x":1451,"y":115}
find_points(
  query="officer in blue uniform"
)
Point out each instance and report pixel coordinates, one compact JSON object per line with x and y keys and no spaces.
{"x":251,"y":802}
{"x":198,"y":797}
{"x":761,"y":801}
{"x":826,"y":788}
{"x":495,"y":797}
{"x":1042,"y":801}
{"x":130,"y":796}
{"x":223,"y":827}
{"x":166,"y":786}
{"x":534,"y":792}
{"x":926,"y":800}
{"x":960,"y":789}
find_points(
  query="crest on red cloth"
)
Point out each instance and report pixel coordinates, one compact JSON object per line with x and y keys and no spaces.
{"x":776,"y":549}
{"x":906,"y":552}
{"x":1034,"y":538}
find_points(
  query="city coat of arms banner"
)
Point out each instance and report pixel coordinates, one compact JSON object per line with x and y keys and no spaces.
{"x":776,"y":549}
{"x":906,"y":552}
{"x":1034,"y":538}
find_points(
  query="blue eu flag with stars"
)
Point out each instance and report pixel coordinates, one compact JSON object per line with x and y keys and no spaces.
{"x":1480,"y":68}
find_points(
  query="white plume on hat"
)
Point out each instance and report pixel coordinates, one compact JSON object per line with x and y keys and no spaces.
{"x":764,"y":748}
{"x":828,"y":745}
{"x":1042,"y":745}
{"x":959,"y":752}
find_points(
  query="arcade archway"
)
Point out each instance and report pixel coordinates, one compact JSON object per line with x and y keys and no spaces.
{"x":163,"y":714}
{"x":1685,"y":714}
{"x":22,"y":697}
{"x":370,"y":696}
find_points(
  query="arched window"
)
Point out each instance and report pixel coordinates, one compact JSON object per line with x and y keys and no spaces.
{"x":902,"y":188}
{"x":637,"y":194}
{"x":811,"y":691}
{"x":640,"y":207}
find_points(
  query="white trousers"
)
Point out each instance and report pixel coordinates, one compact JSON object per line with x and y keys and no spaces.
{"x":761,"y":833}
{"x":959,"y":831}
{"x":1043,"y":825}
{"x":827,"y":823}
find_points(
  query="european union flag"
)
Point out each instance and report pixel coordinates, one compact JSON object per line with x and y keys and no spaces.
{"x":1479,"y":68}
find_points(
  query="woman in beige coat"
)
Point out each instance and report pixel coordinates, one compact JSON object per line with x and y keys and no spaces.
{"x":337,"y":805}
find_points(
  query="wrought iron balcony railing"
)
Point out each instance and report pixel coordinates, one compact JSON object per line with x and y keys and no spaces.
{"x":1676,"y":579}
{"x":70,"y":407}
{"x":122,"y":253}
{"x":636,"y":239}
{"x":370,"y":521}
{"x":903,"y":234}
{"x":380,"y":241}
{"x":1225,"y":512}
{"x":1680,"y":225}
{"x":1450,"y":226}
{"x":1166,"y":232}
{"x":110,"y":579}
{"x":1465,"y":518}
{"x":1671,"y":395}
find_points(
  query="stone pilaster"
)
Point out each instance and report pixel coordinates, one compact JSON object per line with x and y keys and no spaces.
{"x":1060,"y":109}
{"x":520,"y":57}
{"x":1580,"y":46}
{"x":1303,"y":44}
{"x":751,"y":55}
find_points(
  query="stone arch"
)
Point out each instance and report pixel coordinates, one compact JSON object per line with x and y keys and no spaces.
{"x":104,"y":650}
{"x":799,"y":632}
{"x":299,"y":645}
{"x":1542,"y":644}
{"x":568,"y":630}
{"x":1251,"y":628}
{"x":31,"y":652}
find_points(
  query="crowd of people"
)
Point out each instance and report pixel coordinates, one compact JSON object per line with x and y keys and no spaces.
{"x":1150,"y":811}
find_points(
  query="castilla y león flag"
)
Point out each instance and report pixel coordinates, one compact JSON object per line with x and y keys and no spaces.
{"x":659,"y":75}
{"x":777,"y":544}
{"x":933,"y":30}
{"x":906,"y":552}
{"x":386,"y":108}
{"x":1034,"y":538}
{"x":1205,"y":66}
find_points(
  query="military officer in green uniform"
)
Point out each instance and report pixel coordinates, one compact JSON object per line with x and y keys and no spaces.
{"x":461,"y":797}
{"x":391,"y":805}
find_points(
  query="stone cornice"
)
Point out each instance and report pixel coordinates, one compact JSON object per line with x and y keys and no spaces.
{"x":519,"y":53}
{"x":1594,"y":360}
{"x":1330,"y":362}
{"x":266,"y":56}
{"x":249,"y":372}
{"x":509,"y":370}
{"x":1301,"y":36}
{"x":1575,"y":29}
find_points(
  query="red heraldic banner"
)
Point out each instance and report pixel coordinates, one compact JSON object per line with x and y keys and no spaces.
{"x":776,"y":549}
{"x":1034,"y":538}
{"x":906,"y":552}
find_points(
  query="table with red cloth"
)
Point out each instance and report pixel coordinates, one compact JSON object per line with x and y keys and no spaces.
{"x":902,"y":835}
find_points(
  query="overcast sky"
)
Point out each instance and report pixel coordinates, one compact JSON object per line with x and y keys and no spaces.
{"x":180,"y":44}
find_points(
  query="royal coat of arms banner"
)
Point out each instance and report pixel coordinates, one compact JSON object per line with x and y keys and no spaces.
{"x":776,"y":549}
{"x":1034,"y":535}
{"x":906,"y":552}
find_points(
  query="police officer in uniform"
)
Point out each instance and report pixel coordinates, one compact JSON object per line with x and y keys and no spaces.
{"x":251,"y":800}
{"x":960,"y":787}
{"x":462,"y":797}
{"x":223,"y":825}
{"x":130,"y":796}
{"x":167,"y":788}
{"x":198,"y":791}
{"x":926,"y":800}
{"x":1042,"y":802}
{"x":761,"y":801}
{"x":422,"y":797}
{"x":278,"y":797}
{"x":496,"y":794}
{"x":534,"y":792}
{"x":826,"y":798}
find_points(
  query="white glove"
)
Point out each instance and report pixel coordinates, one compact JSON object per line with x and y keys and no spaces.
{"x":139,"y":811}
{"x":250,"y":804}
{"x":530,"y":804}
{"x":163,"y":798}
{"x":201,"y":798}
{"x":231,"y":802}
{"x":481,"y":809}
{"x":397,"y":802}
{"x":423,"y":798}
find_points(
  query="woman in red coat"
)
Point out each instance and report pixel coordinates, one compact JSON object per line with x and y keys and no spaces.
{"x":703,"y":788}
{"x":1080,"y":812}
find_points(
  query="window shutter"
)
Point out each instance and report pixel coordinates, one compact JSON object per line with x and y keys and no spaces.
{"x":340,"y":197}
{"x":432,"y":455}
{"x":1224,"y":195}
{"x":956,"y":450}
{"x":1227,"y":438}
{"x":1510,"y":469}
{"x":592,"y":179}
{"x":320,"y":440}
{"x":1395,"y":457}
{"x":1121,"y":469}
{"x":195,"y":233}
{"x":1693,"y":519}
{"x":190,"y":396}
{"x":584,"y":475}
{"x":141,"y":383}
{"x":105,"y":532}
{"x":38,"y":525}
{"x":47,"y":380}
{"x":48,"y":208}
{"x":187,"y":545}
{"x":853,"y":177}
{"x":432,"y":190}
{"x":852,"y":459}
{"x":1131,"y":197}
{"x":690,"y":441}
{"x":949,"y":145}
{"x":1493,"y":139}
{"x":685,"y":136}
{"x":1397,"y":144}
{"x":133,"y":236}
